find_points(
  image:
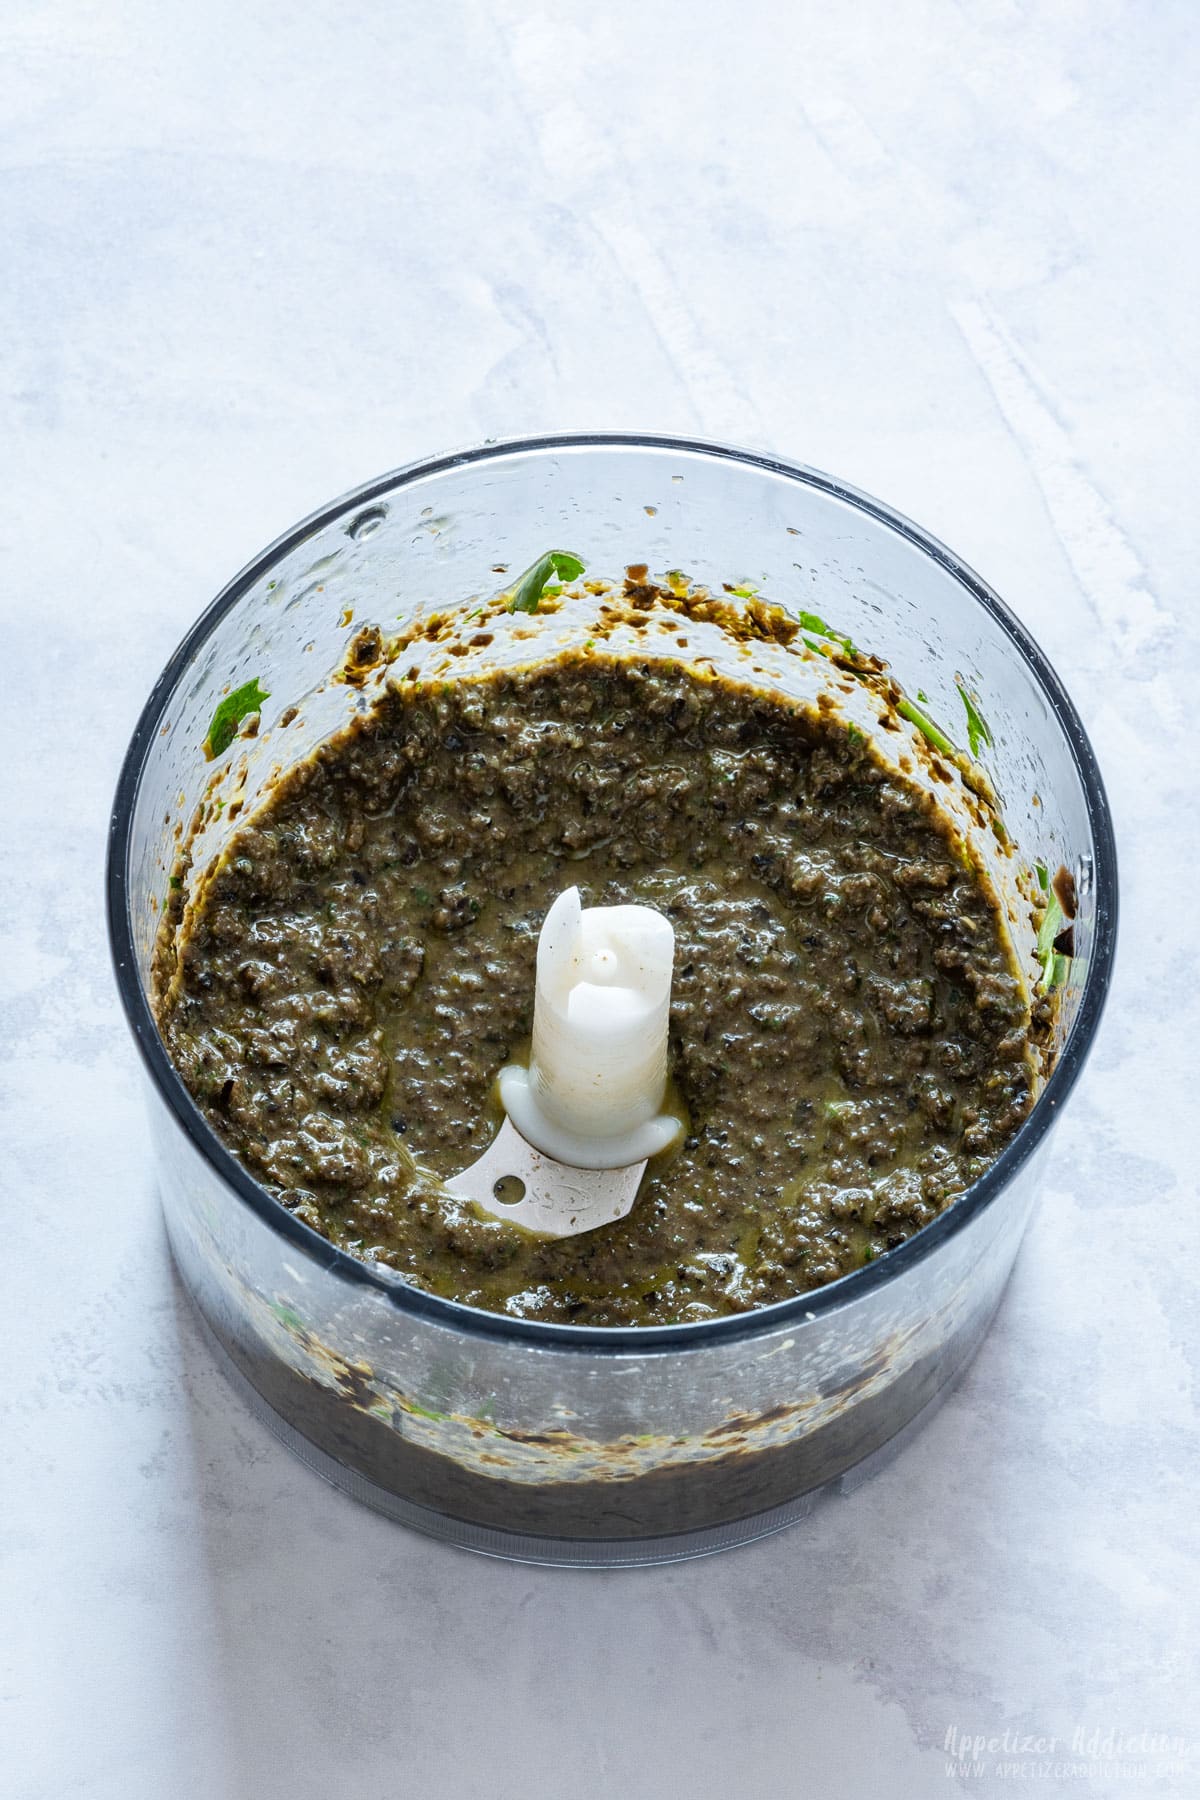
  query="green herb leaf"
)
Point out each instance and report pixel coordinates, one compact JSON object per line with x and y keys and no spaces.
{"x":908,"y":709}
{"x":176,"y":881}
{"x":1055,"y":970}
{"x":979,"y":731}
{"x":1043,"y":876}
{"x":1053,"y":920}
{"x":422,"y":1412}
{"x":229,"y":715}
{"x":527,"y":593}
{"x":745,"y":590}
{"x":813,"y":622}
{"x":1055,"y":966}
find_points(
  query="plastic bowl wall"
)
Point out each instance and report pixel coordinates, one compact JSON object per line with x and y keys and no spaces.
{"x":549,"y":1442}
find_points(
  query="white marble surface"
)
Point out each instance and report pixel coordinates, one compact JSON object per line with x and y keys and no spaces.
{"x":255,"y":253}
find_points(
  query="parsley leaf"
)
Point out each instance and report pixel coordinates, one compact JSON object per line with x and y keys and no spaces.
{"x":422,"y":1412}
{"x":1055,"y":964}
{"x":1053,"y":920}
{"x":813,"y":622}
{"x":229,"y":715}
{"x":979,"y":732}
{"x":529,"y":589}
{"x":1055,"y":970}
{"x":908,"y":709}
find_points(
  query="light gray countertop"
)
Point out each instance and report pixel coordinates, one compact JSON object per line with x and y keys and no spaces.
{"x":256,"y":253}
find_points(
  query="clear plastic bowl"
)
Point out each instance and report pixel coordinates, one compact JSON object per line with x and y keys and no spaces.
{"x":560,"y":1443}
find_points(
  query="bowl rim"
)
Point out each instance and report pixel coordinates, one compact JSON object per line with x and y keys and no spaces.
{"x":617,"y":1339}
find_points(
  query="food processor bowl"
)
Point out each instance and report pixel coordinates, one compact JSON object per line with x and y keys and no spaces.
{"x":559,"y":1443}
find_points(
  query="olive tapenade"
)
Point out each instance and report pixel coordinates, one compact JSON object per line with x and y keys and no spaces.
{"x":849,"y":1036}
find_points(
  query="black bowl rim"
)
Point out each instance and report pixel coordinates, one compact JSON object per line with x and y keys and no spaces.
{"x":631,"y":1339}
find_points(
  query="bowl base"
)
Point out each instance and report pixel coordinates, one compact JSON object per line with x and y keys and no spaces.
{"x":559,"y":1552}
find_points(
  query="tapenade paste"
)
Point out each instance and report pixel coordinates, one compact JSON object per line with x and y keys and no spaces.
{"x":849,"y":1038}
